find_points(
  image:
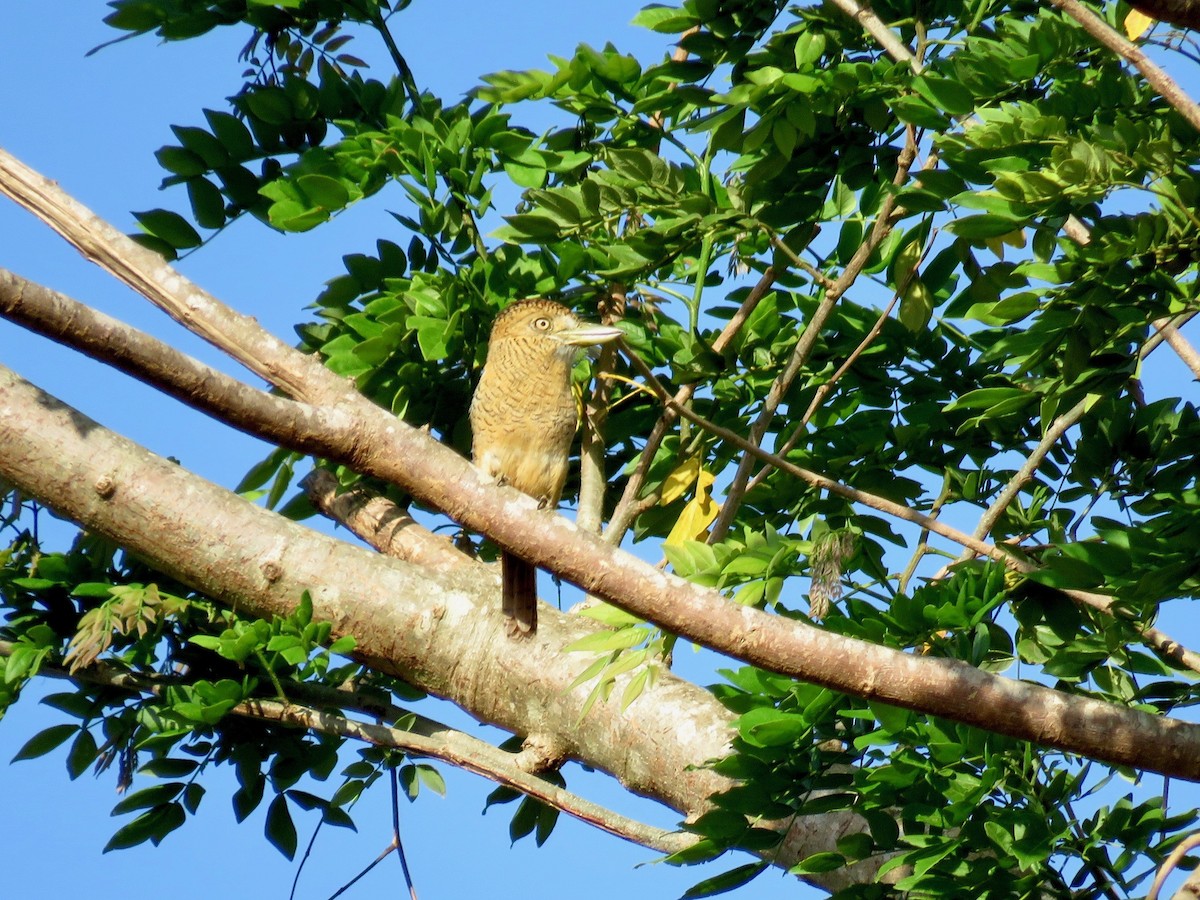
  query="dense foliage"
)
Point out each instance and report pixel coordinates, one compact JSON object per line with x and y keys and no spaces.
{"x":941,"y":268}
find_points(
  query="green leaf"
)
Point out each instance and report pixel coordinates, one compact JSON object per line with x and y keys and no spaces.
{"x":169,"y":227}
{"x":917,"y":111}
{"x":155,"y":795}
{"x":726,"y":881}
{"x":152,"y":825}
{"x":45,"y":741}
{"x":292,"y":215}
{"x":766,"y":727}
{"x":233,"y":135}
{"x":82,"y":754}
{"x":168,"y":767}
{"x":208,"y":205}
{"x":943,"y":93}
{"x":279,"y":828}
{"x":892,"y":719}
{"x":664,"y":19}
{"x":431,"y":778}
{"x":270,"y":104}
{"x":203,"y":144}
{"x":603,"y":641}
{"x":432,"y":336}
{"x":547,"y":819}
{"x":525,"y":175}
{"x":181,"y":161}
{"x":818,"y":863}
{"x":527,"y":227}
{"x":985,"y":398}
{"x":982,"y":227}
{"x":192,"y":795}
{"x":855,"y":846}
{"x":131,"y":16}
{"x":524,"y":820}
{"x":809,"y":49}
{"x":263,"y":472}
{"x":916,"y":306}
{"x":323,"y":191}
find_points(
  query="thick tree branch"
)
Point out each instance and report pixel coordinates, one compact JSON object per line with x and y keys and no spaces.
{"x":1169,"y":329}
{"x":148,"y":359}
{"x":383,"y":524}
{"x":301,"y":377}
{"x":61,"y":458}
{"x":878,"y":29}
{"x":441,"y":632}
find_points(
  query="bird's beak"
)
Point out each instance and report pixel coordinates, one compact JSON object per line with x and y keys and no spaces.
{"x":587,"y":335}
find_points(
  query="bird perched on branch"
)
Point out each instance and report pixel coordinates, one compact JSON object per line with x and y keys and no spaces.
{"x":523,"y":416}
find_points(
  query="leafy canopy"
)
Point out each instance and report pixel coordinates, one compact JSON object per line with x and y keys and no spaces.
{"x":940,"y":263}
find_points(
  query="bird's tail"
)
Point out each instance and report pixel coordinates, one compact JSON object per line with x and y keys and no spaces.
{"x":518,"y":580}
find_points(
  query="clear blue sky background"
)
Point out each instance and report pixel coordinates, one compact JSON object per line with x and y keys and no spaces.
{"x":92,"y":123}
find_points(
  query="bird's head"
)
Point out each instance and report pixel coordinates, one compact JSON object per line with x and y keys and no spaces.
{"x":549,"y":325}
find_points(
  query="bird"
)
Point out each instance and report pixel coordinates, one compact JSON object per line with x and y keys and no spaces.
{"x":523,"y":417}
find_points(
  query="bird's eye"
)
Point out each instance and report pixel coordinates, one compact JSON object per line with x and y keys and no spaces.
{"x":541,"y":324}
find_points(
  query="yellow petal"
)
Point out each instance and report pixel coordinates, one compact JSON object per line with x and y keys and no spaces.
{"x":1136,"y":24}
{"x":693,"y":522}
{"x":677,"y":483}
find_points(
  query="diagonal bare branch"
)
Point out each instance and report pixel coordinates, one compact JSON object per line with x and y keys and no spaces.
{"x":264,"y":565}
{"x":808,"y":339}
{"x":629,"y":506}
{"x":424,"y":737}
{"x":1158,"y":79}
{"x":383,"y":524}
{"x":150,"y":275}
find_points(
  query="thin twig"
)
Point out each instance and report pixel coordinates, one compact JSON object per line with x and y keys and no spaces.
{"x":1163,"y":643}
{"x":423,"y":737}
{"x":371,"y":865}
{"x":593,"y":481}
{"x":809,"y":337}
{"x":802,"y":264}
{"x":629,"y":507}
{"x":823,"y":391}
{"x":304,"y":860}
{"x":923,"y":538}
{"x":1180,"y":345}
{"x":397,"y":842}
{"x":1060,"y":426}
{"x":874,"y":26}
{"x":873,"y":501}
{"x":1186,"y":846}
{"x":1157,"y":78}
{"x":381,"y":523}
{"x":402,"y":67}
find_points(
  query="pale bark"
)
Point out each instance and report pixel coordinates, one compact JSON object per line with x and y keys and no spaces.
{"x":357,"y":432}
{"x":344,"y":426}
{"x":440,"y":631}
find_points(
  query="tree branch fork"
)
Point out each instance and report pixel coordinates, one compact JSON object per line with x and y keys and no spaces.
{"x":340,"y":424}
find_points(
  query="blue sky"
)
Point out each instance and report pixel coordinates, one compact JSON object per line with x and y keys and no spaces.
{"x":93,"y":123}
